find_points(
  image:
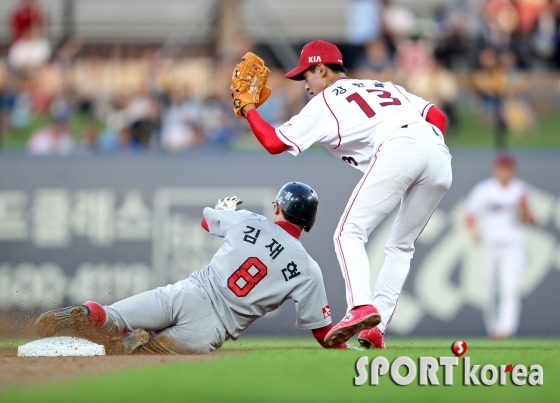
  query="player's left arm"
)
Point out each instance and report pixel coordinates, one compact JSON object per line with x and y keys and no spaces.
{"x":223,"y":216}
{"x":265,"y":133}
{"x":310,"y":126}
{"x":437,"y":118}
{"x":249,"y":91}
{"x":473,"y":206}
{"x":431,"y":113}
{"x":525,"y":213}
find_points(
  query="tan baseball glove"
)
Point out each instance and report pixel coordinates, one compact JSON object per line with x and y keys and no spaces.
{"x":248,"y":83}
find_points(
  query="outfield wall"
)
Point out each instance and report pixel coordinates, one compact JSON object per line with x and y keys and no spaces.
{"x":104,"y":228}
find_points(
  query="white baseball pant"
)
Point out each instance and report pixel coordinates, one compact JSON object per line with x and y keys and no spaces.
{"x":412,"y":166}
{"x":502,"y":270}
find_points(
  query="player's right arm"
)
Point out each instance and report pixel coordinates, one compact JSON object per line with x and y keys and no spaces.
{"x":313,"y":311}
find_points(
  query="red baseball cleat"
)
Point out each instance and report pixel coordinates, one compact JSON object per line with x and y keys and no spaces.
{"x":372,"y":338}
{"x":359,"y":318}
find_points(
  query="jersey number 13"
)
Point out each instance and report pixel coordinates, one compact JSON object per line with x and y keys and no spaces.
{"x":355,"y":97}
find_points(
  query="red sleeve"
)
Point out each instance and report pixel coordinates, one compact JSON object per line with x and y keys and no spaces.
{"x":204,"y":224}
{"x":437,"y":118}
{"x":320,"y":334}
{"x":265,"y":133}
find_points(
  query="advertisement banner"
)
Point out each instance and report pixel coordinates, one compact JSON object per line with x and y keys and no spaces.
{"x":103,"y":229}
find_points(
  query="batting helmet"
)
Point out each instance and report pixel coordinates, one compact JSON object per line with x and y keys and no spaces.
{"x":299,"y":204}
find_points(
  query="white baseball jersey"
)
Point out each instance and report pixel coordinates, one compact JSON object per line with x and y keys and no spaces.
{"x":258,"y":267}
{"x":352,"y":118}
{"x":496,"y":208}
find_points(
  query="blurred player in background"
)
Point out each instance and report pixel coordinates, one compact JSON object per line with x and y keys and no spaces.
{"x":25,"y":17}
{"x":260,"y":265}
{"x":394,"y":138}
{"x":497,"y":208}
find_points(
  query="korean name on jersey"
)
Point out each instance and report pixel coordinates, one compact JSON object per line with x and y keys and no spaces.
{"x":258,"y":267}
{"x":352,"y":118}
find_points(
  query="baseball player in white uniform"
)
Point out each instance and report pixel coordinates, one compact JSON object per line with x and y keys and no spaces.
{"x":496,"y":210}
{"x":396,"y":139}
{"x":260,"y":265}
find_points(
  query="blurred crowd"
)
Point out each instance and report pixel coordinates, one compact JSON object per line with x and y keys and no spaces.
{"x":493,"y":45}
{"x":82,"y":103}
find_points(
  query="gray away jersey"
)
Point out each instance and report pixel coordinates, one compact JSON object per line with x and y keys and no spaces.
{"x":258,"y":267}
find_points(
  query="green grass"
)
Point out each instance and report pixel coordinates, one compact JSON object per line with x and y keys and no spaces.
{"x":16,"y":138}
{"x":296,"y":370}
{"x":12,"y":344}
{"x":472,"y":132}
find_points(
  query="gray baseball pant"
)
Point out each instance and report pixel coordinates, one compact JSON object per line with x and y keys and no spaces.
{"x":179,"y":317}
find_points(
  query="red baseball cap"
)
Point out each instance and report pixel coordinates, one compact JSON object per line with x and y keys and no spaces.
{"x":504,"y":159}
{"x":316,"y":52}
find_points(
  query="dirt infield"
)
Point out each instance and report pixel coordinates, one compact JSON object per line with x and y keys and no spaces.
{"x":24,"y":370}
{"x":29,"y":370}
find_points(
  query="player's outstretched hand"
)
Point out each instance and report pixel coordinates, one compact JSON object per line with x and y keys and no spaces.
{"x":248,"y":83}
{"x":228,"y":203}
